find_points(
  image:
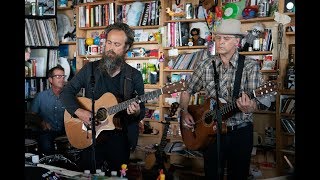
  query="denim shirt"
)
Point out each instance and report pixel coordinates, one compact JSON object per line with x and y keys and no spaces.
{"x":50,"y":108}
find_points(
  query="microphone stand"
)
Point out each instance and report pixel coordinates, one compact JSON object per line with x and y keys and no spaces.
{"x":93,"y":126}
{"x":219,"y":117}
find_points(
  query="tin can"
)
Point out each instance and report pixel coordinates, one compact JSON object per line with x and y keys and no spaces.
{"x":263,"y":8}
{"x":41,"y":10}
{"x":33,"y":9}
{"x":189,"y":11}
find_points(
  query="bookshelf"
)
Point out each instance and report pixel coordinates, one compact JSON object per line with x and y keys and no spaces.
{"x":66,"y":25}
{"x":42,"y":40}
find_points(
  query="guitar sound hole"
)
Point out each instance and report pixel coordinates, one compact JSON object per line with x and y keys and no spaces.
{"x":208,"y":119}
{"x":101,"y":114}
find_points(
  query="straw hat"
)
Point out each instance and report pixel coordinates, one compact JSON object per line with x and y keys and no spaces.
{"x":229,"y":26}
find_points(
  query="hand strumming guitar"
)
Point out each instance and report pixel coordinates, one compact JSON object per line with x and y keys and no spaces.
{"x":187,"y":120}
{"x":84,"y":115}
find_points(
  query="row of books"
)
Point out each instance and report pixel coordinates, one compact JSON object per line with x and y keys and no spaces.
{"x":288,"y":125}
{"x":41,"y":32}
{"x":96,"y":15}
{"x":139,"y":13}
{"x":33,"y":86}
{"x":37,"y":65}
{"x":178,"y":33}
{"x":288,"y":105}
{"x":189,"y":60}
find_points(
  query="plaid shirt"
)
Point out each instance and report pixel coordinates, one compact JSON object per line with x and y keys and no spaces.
{"x":203,"y":79}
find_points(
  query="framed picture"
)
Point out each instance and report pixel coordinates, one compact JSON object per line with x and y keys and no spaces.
{"x":49,"y":7}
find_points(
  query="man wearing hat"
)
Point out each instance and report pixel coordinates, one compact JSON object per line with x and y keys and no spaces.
{"x":236,"y":145}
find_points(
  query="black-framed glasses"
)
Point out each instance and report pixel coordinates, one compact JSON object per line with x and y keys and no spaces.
{"x":58,"y":76}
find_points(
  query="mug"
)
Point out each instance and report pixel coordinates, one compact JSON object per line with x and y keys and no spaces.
{"x":257,"y":139}
{"x":94,"y":49}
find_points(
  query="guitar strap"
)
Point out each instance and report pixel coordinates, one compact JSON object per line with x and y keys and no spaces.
{"x":127,"y":87}
{"x":133,"y":127}
{"x":237,"y":80}
{"x":235,"y":92}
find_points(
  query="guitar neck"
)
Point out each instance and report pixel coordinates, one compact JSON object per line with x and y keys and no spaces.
{"x":123,"y":105}
{"x":228,"y":109}
{"x":164,"y":136}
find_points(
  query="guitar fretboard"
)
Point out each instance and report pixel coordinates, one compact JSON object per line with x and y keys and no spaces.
{"x":123,"y":105}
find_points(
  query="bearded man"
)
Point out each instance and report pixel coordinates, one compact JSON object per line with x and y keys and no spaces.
{"x":111,"y":74}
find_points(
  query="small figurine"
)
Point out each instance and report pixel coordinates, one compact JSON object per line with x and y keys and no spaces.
{"x":161,"y":58}
{"x":123,"y":170}
{"x":196,"y":39}
{"x":161,"y":175}
{"x":175,"y":14}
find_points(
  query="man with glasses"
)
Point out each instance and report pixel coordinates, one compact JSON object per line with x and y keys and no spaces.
{"x":111,"y":74}
{"x":48,"y":106}
{"x":236,"y":145}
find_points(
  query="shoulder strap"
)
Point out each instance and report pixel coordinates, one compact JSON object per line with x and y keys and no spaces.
{"x":127,"y":83}
{"x":237,"y":80}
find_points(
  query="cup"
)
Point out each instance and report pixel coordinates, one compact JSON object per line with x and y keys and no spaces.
{"x":257,"y":139}
{"x":35,"y":159}
{"x":94,"y":49}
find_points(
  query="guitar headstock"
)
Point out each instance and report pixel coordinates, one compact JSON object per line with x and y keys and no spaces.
{"x":174,"y":87}
{"x":173,"y":109}
{"x":269,"y":87}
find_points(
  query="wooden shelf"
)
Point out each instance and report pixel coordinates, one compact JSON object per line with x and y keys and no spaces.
{"x":149,"y":135}
{"x":288,"y":134}
{"x":269,"y":71}
{"x":258,"y":19}
{"x":255,"y":52}
{"x":150,"y":120}
{"x":186,"y":47}
{"x":177,"y":70}
{"x":153,"y":105}
{"x":90,"y":56}
{"x":145,"y":42}
{"x":287,"y":151}
{"x":68,"y":43}
{"x":174,"y":138}
{"x":287,"y":91}
{"x":287,"y":114}
{"x":152,"y":86}
{"x":264,"y":112}
{"x":145,"y":27}
{"x":140,"y":58}
{"x":291,"y":33}
{"x":186,"y":20}
{"x":64,"y":8}
{"x":93,"y":28}
{"x":184,"y":155}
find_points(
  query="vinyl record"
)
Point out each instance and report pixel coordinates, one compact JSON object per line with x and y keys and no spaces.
{"x":230,"y":11}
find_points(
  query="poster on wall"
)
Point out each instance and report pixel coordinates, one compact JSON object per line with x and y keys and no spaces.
{"x":48,"y":7}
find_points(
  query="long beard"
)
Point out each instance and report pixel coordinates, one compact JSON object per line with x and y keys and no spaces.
{"x":110,"y":63}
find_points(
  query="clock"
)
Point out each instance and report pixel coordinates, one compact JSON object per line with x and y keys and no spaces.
{"x":290,"y":5}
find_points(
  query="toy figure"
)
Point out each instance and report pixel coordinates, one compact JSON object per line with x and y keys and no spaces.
{"x":161,"y":175}
{"x":247,"y":41}
{"x":123,"y":170}
{"x":250,"y":12}
{"x":196,"y":39}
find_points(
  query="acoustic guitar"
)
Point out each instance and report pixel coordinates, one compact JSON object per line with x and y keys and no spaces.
{"x":158,"y":158}
{"x":80,"y":135}
{"x":204,"y":116}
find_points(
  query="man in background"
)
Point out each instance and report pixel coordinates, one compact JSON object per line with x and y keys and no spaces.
{"x":48,"y":106}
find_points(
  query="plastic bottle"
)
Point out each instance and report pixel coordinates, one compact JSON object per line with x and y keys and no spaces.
{"x":144,"y":73}
{"x":290,"y":73}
